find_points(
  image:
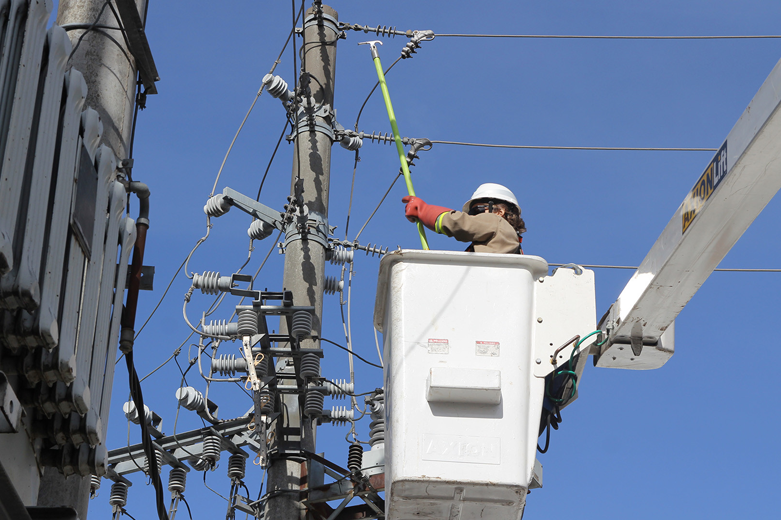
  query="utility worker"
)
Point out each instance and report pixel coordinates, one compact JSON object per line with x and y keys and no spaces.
{"x":490,"y":220}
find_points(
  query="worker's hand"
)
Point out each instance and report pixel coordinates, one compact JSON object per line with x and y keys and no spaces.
{"x":417,"y":209}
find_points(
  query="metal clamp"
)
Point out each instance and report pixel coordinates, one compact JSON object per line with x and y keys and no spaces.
{"x":308,"y":226}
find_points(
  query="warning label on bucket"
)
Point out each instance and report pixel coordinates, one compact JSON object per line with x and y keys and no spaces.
{"x":438,"y":346}
{"x":487,"y":348}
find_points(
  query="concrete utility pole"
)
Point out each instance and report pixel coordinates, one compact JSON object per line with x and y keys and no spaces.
{"x":110,"y":71}
{"x":305,"y":258}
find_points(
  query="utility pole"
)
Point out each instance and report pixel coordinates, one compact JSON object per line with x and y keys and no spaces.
{"x":305,"y":256}
{"x":109,"y":68}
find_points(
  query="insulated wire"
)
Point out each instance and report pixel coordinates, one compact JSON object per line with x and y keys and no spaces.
{"x":260,"y":91}
{"x":722,"y":269}
{"x":612,"y":37}
{"x":378,"y":206}
{"x":590,"y":148}
{"x":354,"y":354}
{"x":279,"y":141}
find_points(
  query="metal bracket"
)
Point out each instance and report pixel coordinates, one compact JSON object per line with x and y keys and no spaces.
{"x":256,"y":209}
{"x":308,"y":226}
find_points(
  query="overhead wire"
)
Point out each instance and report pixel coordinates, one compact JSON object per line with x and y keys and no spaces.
{"x":354,"y":354}
{"x":613,"y":37}
{"x":260,"y":91}
{"x":721,"y":269}
{"x":589,"y":148}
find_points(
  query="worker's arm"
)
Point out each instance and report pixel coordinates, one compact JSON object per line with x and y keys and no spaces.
{"x":488,"y":232}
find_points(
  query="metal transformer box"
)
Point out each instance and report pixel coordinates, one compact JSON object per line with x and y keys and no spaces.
{"x":463,"y":388}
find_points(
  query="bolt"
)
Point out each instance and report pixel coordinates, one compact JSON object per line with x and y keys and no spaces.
{"x":539,"y":320}
{"x":538,"y":361}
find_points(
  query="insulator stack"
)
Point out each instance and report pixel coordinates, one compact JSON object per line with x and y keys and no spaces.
{"x":212,"y":446}
{"x":333,"y":285}
{"x":377,"y":426}
{"x":210,"y":282}
{"x":302,"y":325}
{"x":310,"y":365}
{"x":261,"y":367}
{"x":221,"y":328}
{"x":351,"y":143}
{"x":228,"y":364}
{"x":118,"y":497}
{"x":94,"y":485}
{"x":355,"y":457}
{"x":131,"y":412}
{"x":266,"y":400}
{"x":341,"y":415}
{"x":191,"y":399}
{"x":379,"y":137}
{"x":177,"y":479}
{"x":248,"y":322}
{"x":380,"y":30}
{"x":277,"y":87}
{"x":158,"y":457}
{"x":216,"y":206}
{"x":313,"y":405}
{"x":375,"y":250}
{"x":340,"y":255}
{"x":259,"y":230}
{"x":338,"y":388}
{"x":198,"y":463}
{"x":236,"y":466}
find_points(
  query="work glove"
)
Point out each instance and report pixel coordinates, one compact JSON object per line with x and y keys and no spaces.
{"x":417,"y":209}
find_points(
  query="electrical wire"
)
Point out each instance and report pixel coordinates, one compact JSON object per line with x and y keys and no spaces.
{"x":720,"y":269}
{"x":612,"y":37}
{"x":357,"y":119}
{"x":353,"y":353}
{"x":161,"y":299}
{"x":90,"y":28}
{"x":587,"y":148}
{"x":379,"y":352}
{"x":260,"y":91}
{"x":378,"y":206}
{"x":268,"y":167}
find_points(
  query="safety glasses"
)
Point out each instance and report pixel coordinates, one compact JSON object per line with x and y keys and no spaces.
{"x":476,"y":209}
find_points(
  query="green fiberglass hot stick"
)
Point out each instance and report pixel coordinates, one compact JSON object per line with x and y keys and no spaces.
{"x":396,"y":134}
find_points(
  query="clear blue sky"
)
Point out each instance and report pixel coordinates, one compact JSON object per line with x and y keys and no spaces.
{"x":697,"y":438}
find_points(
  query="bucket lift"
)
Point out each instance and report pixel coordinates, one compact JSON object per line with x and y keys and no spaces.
{"x":471,"y":339}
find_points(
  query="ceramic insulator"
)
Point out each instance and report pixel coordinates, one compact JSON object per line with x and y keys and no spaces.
{"x":216,"y":206}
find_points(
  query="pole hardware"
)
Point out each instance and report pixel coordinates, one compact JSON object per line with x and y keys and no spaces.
{"x":414,"y":43}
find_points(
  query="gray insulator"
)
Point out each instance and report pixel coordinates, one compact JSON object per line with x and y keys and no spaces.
{"x":248,"y":322}
{"x":355,"y":457}
{"x":310,"y":365}
{"x":159,"y":457}
{"x":261,"y":369}
{"x":212,"y":446}
{"x":266,"y":400}
{"x":333,"y":285}
{"x":210,"y":282}
{"x":221,"y":328}
{"x":377,"y":426}
{"x":338,"y":388}
{"x":131,"y":412}
{"x":351,"y":143}
{"x":228,"y":364}
{"x":177,"y":479}
{"x":341,"y":415}
{"x":277,"y":87}
{"x":191,"y":399}
{"x":216,"y":206}
{"x":313,"y":405}
{"x":94,"y":484}
{"x":118,"y":497}
{"x":236,"y":466}
{"x":198,"y":463}
{"x":302,"y":325}
{"x":340,"y":256}
{"x":259,"y":230}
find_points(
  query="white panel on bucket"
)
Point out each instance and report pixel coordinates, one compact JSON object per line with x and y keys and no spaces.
{"x":444,"y":315}
{"x":464,"y":385}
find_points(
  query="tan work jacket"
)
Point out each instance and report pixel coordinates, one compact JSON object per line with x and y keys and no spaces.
{"x":488,"y":232}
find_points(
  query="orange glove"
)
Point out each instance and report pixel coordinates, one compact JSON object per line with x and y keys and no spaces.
{"x":417,"y":209}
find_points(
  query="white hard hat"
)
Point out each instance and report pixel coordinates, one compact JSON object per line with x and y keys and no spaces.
{"x":490,"y":190}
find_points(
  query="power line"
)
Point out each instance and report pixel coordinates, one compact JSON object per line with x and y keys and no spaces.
{"x":613,"y":37}
{"x":721,"y":269}
{"x":589,"y":148}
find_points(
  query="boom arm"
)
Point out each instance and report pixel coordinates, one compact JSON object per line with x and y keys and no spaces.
{"x":734,"y":188}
